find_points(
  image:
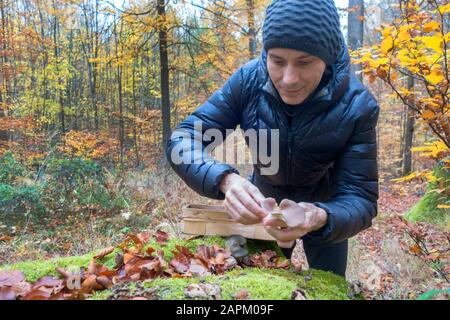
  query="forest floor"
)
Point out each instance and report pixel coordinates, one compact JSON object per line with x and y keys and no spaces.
{"x":382,"y":261}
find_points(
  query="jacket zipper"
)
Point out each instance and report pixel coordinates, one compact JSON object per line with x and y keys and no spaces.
{"x":289,"y":160}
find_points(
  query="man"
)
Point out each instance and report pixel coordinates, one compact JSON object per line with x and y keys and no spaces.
{"x":327,"y":140}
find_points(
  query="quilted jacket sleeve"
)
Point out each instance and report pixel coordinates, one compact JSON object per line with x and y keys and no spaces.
{"x":187,"y":151}
{"x":355,"y":179}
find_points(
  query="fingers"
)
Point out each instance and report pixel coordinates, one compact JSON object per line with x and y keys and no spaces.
{"x":250,"y":204}
{"x":239,"y":212}
{"x":286,"y":244}
{"x":256,"y":194}
{"x":286,"y":203}
{"x":269,"y":204}
{"x":271,"y":222}
{"x":284,"y":235}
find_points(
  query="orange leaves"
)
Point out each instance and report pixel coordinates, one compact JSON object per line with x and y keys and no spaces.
{"x":5,"y":238}
{"x":87,"y":145}
{"x":428,"y":114}
{"x":431,"y":26}
{"x":104,"y":253}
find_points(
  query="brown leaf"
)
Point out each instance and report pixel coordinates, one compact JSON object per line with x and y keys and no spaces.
{"x":7,"y":293}
{"x":5,"y":238}
{"x":9,"y":278}
{"x":49,"y":282}
{"x":96,"y":268}
{"x":90,"y":283}
{"x":21,"y":289}
{"x":41,"y":293}
{"x":282,"y":263}
{"x":198,"y":268}
{"x":64,"y":273}
{"x":415,"y":249}
{"x":298,"y":294}
{"x":161,"y":237}
{"x":144,"y":236}
{"x":127,"y":257}
{"x":241,"y":295}
{"x":180,"y":263}
{"x":132,"y":238}
{"x":105,"y":282}
{"x":104,"y":252}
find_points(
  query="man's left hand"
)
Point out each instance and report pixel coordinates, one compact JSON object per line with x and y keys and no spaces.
{"x":301,"y":217}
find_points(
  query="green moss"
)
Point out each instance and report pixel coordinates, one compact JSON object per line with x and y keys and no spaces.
{"x":101,"y":295}
{"x":255,"y":246}
{"x":272,"y":284}
{"x":426,"y":209}
{"x":34,"y":270}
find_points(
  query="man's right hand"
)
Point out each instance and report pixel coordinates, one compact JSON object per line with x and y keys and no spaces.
{"x":243,"y":200}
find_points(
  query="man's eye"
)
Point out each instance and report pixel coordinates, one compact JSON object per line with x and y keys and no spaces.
{"x":304,"y":63}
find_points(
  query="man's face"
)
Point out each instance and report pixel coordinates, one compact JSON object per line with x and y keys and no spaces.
{"x":294,"y":73}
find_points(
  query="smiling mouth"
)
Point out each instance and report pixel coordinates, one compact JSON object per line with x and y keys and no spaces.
{"x":290,"y":92}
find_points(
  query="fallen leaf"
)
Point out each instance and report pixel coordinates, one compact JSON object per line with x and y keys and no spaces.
{"x":298,"y":294}
{"x":5,"y":238}
{"x":241,"y":295}
{"x":49,"y":282}
{"x":161,"y":237}
{"x":9,"y":278}
{"x":104,"y":253}
{"x":7,"y":293}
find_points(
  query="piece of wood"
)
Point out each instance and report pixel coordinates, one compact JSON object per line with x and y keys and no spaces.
{"x":215,"y":221}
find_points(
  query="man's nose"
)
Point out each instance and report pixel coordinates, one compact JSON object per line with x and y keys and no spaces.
{"x":290,"y":76}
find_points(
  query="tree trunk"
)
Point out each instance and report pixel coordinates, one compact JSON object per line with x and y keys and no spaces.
{"x":120,"y":93}
{"x":3,"y":84}
{"x":251,"y":28}
{"x":60,"y":93}
{"x":164,"y":68}
{"x":408,"y":134}
{"x":356,"y":31}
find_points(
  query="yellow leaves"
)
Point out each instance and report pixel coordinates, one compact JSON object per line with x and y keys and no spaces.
{"x":431,"y":26}
{"x":387,"y":45}
{"x":444,"y":9}
{"x":427,"y":174}
{"x":387,"y":31}
{"x":432,"y":149}
{"x":443,"y":206}
{"x":436,"y":76}
{"x":407,"y":178}
{"x":403,"y":34}
{"x":430,"y":176}
{"x":435,"y":43}
{"x":405,"y":57}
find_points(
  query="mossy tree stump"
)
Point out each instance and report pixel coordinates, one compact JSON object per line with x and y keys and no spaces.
{"x":259,"y":283}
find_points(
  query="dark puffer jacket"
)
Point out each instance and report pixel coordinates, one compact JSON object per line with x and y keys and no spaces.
{"x":328,"y":155}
